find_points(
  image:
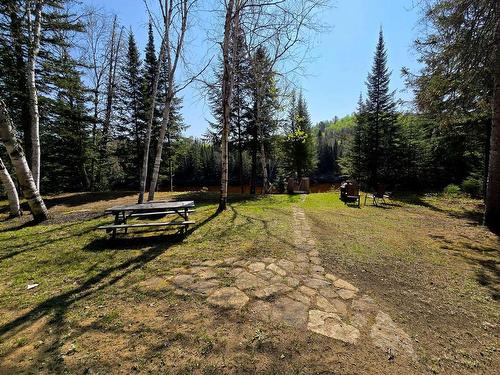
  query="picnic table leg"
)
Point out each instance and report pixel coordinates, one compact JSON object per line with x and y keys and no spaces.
{"x":117,"y":221}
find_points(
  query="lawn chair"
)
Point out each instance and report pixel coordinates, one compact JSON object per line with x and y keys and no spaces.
{"x":349,"y":193}
{"x":379,"y":194}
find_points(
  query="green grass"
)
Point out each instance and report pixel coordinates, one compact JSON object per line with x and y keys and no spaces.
{"x":91,"y":289}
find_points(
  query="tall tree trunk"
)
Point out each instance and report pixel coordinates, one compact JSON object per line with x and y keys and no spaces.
{"x":95,"y":120}
{"x":18,"y":160}
{"x":240,"y":155}
{"x":492,"y":213}
{"x":16,"y":30}
{"x":110,"y":95}
{"x":34,"y":30}
{"x":165,"y":122}
{"x":149,"y":126}
{"x":227,"y":83}
{"x":172,"y":62}
{"x":10,"y":189}
{"x":253,"y":173}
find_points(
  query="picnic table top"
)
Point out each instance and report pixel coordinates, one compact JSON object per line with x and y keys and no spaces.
{"x":160,"y":205}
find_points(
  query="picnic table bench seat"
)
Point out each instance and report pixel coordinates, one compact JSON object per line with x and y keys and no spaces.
{"x":150,"y":209}
{"x":139,"y":225}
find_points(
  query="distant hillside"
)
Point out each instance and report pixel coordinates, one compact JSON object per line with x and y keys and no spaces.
{"x":337,"y":124}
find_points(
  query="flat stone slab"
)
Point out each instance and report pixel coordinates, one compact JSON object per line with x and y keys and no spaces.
{"x":228,"y":298}
{"x":307,"y":291}
{"x":246,"y":280}
{"x":346,"y":294}
{"x":331,"y":325}
{"x":256,"y":266}
{"x":183,"y":281}
{"x":334,"y":306}
{"x":387,"y":336}
{"x":278,"y":270}
{"x":316,"y":283}
{"x":204,"y":286}
{"x":342,"y":284}
{"x":271,"y":291}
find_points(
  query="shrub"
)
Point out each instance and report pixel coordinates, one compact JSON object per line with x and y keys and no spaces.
{"x":452,"y":190}
{"x":472,"y":186}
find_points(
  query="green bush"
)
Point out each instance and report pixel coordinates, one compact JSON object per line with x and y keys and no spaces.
{"x":472,"y":186}
{"x":452,"y":190}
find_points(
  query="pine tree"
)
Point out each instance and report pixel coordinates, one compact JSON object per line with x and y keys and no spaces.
{"x":299,"y":148}
{"x":380,"y":132}
{"x":65,"y":136}
{"x":262,"y":123}
{"x":131,"y":127}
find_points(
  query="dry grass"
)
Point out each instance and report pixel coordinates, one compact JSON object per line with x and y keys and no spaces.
{"x":103,"y":307}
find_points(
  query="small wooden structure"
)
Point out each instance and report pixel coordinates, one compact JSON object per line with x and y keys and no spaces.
{"x":349,"y":193}
{"x":151,"y":209}
{"x":298,"y":187}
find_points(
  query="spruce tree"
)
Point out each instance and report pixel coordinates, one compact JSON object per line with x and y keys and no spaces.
{"x":131,"y":127}
{"x":380,"y":131}
{"x":261,"y":116}
{"x":299,"y":147}
{"x":65,"y":137}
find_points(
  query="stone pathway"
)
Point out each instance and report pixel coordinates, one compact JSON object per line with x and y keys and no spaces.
{"x":295,"y":291}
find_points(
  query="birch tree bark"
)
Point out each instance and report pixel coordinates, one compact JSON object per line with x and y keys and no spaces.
{"x":150,"y":116}
{"x":10,"y":189}
{"x":18,"y":160}
{"x":115,"y":43}
{"x":34,"y":33}
{"x":492,"y":212}
{"x":172,"y":63}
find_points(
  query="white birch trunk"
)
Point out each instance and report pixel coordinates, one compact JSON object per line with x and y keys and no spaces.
{"x":147,"y":141}
{"x":10,"y":189}
{"x":18,"y":160}
{"x":171,"y":69}
{"x":34,"y":31}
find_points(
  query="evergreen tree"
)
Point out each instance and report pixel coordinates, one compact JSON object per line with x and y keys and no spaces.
{"x":299,"y":147}
{"x":65,"y":138}
{"x":131,"y":127}
{"x":262,"y":123}
{"x":376,"y":143}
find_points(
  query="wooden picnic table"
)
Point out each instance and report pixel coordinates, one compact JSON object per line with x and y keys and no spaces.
{"x":123,"y":213}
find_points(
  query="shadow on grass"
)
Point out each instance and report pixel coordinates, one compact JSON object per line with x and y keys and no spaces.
{"x":58,"y":306}
{"x":474,"y":217}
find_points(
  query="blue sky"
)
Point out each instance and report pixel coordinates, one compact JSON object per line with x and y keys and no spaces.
{"x":341,"y":60}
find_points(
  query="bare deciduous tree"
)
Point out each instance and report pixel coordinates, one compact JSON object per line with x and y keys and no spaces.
{"x":34,"y":35}
{"x":175,"y":16}
{"x":10,"y":189}
{"x":112,"y":64}
{"x":96,"y":50}
{"x":18,"y":160}
{"x":278,"y":26}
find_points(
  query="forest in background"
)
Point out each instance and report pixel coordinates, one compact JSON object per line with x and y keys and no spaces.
{"x":95,"y":88}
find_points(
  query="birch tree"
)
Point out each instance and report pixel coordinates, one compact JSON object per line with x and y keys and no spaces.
{"x":10,"y":189}
{"x":112,"y":65}
{"x":95,"y":55}
{"x":278,"y":26}
{"x":150,"y":119}
{"x":175,"y":15}
{"x":34,"y":34}
{"x":18,"y":160}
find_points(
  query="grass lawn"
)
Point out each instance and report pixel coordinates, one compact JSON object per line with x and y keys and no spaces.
{"x":109,"y":306}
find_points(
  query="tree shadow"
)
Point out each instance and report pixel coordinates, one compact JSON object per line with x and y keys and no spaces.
{"x":78,"y":199}
{"x":59,"y":304}
{"x":474,"y":216}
